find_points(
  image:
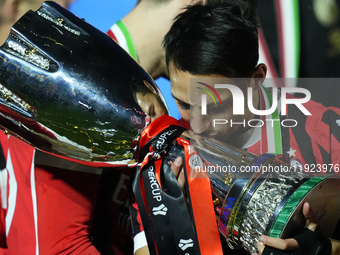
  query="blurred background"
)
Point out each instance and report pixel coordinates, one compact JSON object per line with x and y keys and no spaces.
{"x":102,"y":13}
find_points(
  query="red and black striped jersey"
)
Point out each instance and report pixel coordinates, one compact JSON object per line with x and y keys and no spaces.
{"x":314,"y":139}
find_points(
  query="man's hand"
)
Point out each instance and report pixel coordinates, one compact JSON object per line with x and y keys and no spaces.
{"x":289,"y":244}
{"x":177,"y":169}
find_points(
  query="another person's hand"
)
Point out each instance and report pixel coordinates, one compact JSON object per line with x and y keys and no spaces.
{"x":287,"y":246}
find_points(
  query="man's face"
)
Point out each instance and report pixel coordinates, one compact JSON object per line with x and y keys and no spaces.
{"x":188,"y":101}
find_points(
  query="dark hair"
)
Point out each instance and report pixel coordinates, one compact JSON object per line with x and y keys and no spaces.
{"x":217,"y":38}
{"x":249,"y":7}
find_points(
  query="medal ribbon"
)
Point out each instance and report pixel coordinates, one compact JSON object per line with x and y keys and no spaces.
{"x":173,"y":223}
{"x":202,"y":204}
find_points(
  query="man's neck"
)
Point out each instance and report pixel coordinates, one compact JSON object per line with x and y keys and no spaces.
{"x":147,"y":26}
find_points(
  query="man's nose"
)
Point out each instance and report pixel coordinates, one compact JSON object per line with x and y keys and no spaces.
{"x":198,"y":122}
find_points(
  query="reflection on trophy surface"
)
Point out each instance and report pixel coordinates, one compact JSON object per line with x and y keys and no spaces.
{"x":70,"y":90}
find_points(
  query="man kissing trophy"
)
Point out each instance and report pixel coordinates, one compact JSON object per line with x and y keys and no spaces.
{"x":72,"y":92}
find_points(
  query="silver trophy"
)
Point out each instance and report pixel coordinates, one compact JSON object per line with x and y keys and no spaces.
{"x":263,"y":194}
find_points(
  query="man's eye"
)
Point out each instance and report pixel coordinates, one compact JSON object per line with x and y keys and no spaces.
{"x":214,"y":108}
{"x":218,"y":108}
{"x":183,"y":105}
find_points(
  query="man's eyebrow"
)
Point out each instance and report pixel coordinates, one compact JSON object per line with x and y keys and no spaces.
{"x":224,"y":102}
{"x":179,"y":100}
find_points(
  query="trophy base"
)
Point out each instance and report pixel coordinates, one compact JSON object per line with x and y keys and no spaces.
{"x":273,"y":206}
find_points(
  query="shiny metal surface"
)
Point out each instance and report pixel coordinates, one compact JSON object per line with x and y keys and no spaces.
{"x":258,"y":209}
{"x":257,"y":203}
{"x":324,"y":199}
{"x":69,"y":89}
{"x":222,"y":162}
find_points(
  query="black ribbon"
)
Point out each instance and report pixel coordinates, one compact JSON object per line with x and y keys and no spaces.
{"x":161,"y":142}
{"x":169,"y":226}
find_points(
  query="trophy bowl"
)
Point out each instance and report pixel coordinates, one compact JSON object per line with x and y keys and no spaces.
{"x":70,"y":90}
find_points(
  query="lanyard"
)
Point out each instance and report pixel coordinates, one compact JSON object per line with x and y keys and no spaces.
{"x":271,"y":140}
{"x":124,"y":38}
{"x":287,"y":13}
{"x":173,"y":226}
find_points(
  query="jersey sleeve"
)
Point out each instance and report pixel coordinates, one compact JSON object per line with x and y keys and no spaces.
{"x":3,"y":191}
{"x":111,"y":34}
{"x":139,"y":238}
{"x":316,"y":138}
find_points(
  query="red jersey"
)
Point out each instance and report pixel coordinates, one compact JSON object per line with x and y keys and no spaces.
{"x":44,"y":209}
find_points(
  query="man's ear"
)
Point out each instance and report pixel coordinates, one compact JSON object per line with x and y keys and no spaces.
{"x":150,"y":87}
{"x":259,"y":75}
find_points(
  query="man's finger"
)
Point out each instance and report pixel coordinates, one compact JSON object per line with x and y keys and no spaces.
{"x":311,"y":222}
{"x":176,"y":166}
{"x":181,"y":179}
{"x":260,"y":247}
{"x":282,"y":244}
